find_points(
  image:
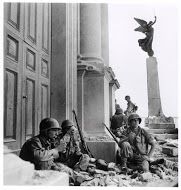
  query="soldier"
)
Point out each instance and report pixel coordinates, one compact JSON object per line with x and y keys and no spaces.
{"x":118,"y":121}
{"x":72,"y":155}
{"x":131,"y":108}
{"x":40,"y":149}
{"x":134,"y":148}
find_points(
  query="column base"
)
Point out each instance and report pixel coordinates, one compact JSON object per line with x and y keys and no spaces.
{"x":162,"y":119}
{"x":105,"y":150}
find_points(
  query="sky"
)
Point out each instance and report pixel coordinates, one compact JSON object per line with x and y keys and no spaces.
{"x":128,"y":60}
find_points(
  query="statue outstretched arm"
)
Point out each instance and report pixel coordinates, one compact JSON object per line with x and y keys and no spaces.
{"x":152,"y":23}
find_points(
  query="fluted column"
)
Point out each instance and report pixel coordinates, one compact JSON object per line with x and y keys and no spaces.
{"x":90,"y":31}
{"x":104,"y":34}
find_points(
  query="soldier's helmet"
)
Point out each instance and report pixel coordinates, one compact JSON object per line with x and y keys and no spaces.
{"x":134,"y":116}
{"x":127,"y":97}
{"x":67,"y":124}
{"x":119,"y":111}
{"x":49,"y":123}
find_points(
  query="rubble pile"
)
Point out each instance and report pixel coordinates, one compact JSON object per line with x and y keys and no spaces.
{"x":112,"y":178}
{"x":163,"y":174}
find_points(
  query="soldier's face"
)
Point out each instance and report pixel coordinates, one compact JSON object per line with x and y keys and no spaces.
{"x":52,"y":133}
{"x":134,"y":123}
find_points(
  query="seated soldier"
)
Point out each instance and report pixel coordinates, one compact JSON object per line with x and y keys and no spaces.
{"x":118,"y":121}
{"x":40,"y":151}
{"x":134,"y":150}
{"x":72,"y":155}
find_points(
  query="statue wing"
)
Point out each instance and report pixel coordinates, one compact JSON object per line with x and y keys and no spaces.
{"x":143,"y":23}
{"x":140,"y":29}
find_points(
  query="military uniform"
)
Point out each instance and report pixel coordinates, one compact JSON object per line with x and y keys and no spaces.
{"x":72,"y":156}
{"x":118,"y":121}
{"x":135,"y":149}
{"x":40,"y":151}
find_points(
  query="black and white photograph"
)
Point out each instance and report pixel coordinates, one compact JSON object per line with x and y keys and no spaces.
{"x":90,"y":93}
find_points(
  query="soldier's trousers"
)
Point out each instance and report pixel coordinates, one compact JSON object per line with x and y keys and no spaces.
{"x":134,"y":160}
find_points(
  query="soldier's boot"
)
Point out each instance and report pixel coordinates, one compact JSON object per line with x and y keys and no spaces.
{"x":124,"y":168}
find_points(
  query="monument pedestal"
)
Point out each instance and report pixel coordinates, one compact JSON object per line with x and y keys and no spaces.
{"x":161,"y":126}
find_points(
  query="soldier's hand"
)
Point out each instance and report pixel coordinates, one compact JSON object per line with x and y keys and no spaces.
{"x":55,"y":153}
{"x":61,"y":147}
{"x":72,"y":131}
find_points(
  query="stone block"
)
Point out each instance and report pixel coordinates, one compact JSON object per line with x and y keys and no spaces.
{"x":146,"y":176}
{"x":16,"y":171}
{"x":105,"y":150}
{"x":163,"y":131}
{"x":161,"y":126}
{"x":49,"y":177}
{"x":172,"y":151}
{"x":165,"y":136}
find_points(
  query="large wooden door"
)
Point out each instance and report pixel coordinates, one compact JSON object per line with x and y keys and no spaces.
{"x":27,"y":30}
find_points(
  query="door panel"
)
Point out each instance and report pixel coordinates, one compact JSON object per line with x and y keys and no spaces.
{"x":31,"y":23}
{"x":30,"y":108}
{"x":44,"y":100}
{"x":27,"y":45}
{"x":11,"y":111}
{"x":12,"y":89}
{"x":45,"y":27}
{"x":30,"y":92}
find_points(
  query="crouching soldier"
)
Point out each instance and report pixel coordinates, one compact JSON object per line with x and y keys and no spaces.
{"x":134,"y":149}
{"x":40,"y":150}
{"x":72,"y":155}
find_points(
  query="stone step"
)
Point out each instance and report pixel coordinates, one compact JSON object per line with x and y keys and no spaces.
{"x":163,"y":131}
{"x":165,"y":136}
{"x":173,"y":159}
{"x":161,"y":126}
{"x":171,"y":151}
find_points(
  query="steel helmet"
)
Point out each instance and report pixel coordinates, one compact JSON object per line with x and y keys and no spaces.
{"x":49,"y":123}
{"x":66,"y":124}
{"x":134,"y":116}
{"x":119,"y":111}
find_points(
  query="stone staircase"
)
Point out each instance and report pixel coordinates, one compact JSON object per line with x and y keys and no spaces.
{"x":163,"y":131}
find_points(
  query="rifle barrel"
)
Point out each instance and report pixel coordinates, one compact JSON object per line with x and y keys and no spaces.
{"x":111,"y":134}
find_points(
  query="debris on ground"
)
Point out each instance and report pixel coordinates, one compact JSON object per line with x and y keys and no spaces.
{"x":164,"y":174}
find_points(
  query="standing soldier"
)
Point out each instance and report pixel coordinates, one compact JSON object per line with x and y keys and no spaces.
{"x":131,"y":107}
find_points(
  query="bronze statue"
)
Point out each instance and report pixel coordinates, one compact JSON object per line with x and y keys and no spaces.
{"x":147,"y":29}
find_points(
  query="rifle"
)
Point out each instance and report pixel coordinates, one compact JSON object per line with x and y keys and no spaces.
{"x":114,"y":137}
{"x":84,"y":146}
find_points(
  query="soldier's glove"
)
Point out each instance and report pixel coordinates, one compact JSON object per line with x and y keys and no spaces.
{"x":61,"y":147}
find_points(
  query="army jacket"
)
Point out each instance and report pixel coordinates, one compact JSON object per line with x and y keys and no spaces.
{"x":37,"y":150}
{"x":72,"y":146}
{"x":139,"y":140}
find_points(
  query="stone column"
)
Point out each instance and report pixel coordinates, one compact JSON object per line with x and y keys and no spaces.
{"x":64,"y":61}
{"x":90,"y":31}
{"x":154,"y":101}
{"x":93,"y":80}
{"x":104,"y":34}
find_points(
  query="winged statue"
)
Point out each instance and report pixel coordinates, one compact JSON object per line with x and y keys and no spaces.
{"x":148,"y":30}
